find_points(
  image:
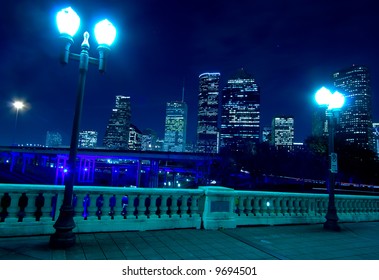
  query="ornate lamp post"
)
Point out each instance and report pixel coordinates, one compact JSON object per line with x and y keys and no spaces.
{"x":68,"y":24}
{"x":333,"y":103}
{"x":18,"y":105}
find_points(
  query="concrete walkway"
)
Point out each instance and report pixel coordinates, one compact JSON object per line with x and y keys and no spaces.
{"x":356,"y":241}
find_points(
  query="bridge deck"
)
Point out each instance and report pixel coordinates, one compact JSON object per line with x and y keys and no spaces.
{"x":356,"y":241}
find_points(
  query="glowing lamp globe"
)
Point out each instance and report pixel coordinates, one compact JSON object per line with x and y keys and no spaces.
{"x":323,"y":96}
{"x":68,"y":21}
{"x":105,"y":33}
{"x":18,"y":105}
{"x":336,"y":101}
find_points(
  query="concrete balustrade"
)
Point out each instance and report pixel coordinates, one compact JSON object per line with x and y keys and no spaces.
{"x":33,"y":209}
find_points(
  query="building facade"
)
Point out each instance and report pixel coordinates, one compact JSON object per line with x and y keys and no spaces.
{"x":375,"y":127}
{"x":53,"y":139}
{"x":283,"y":132}
{"x":88,"y":139}
{"x":135,"y":138}
{"x":117,"y":131}
{"x":240,"y":113}
{"x":355,"y":121}
{"x":175,"y":135}
{"x":207,"y":117}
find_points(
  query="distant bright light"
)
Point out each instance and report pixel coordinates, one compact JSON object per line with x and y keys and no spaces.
{"x":105,"y":32}
{"x":268,"y":203}
{"x":18,"y":105}
{"x":333,"y":101}
{"x":68,"y":21}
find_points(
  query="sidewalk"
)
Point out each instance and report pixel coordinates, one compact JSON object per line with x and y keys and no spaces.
{"x":356,"y":241}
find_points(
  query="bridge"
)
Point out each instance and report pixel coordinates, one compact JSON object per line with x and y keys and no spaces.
{"x":99,"y":166}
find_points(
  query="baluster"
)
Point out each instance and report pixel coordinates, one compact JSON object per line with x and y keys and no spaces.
{"x":86,"y":206}
{"x":22,"y":204}
{"x":297,"y":209}
{"x":118,"y":207}
{"x":284,"y":206}
{"x":5,"y":204}
{"x":304,"y":207}
{"x":256,"y":208}
{"x":131,"y":207}
{"x":112,"y":202}
{"x":290,"y":206}
{"x":13,"y":208}
{"x":175,"y":199}
{"x":99,"y":206}
{"x":276,"y":206}
{"x":269,"y":206}
{"x":239,"y":205}
{"x":93,"y":206}
{"x":164,"y":208}
{"x":153,"y":209}
{"x":349,"y":209}
{"x":124,"y":206}
{"x":248,"y":206}
{"x":39,"y":203}
{"x":194,"y":206}
{"x":182,"y":206}
{"x":263,"y":206}
{"x":141,"y":208}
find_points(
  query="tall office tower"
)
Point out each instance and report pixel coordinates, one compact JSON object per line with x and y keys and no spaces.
{"x":319,"y":122}
{"x":117,"y":131}
{"x":87,"y":139}
{"x":266,"y":134}
{"x":355,"y":125}
{"x":207,"y":122}
{"x":175,"y":127}
{"x":376,"y":137}
{"x":135,"y":138}
{"x":53,"y":139}
{"x":149,"y":139}
{"x":240,"y":113}
{"x":283,"y":132}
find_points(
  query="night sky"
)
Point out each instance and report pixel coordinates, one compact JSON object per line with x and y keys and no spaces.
{"x":290,"y":47}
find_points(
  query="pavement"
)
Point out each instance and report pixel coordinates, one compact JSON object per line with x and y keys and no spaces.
{"x":355,"y":241}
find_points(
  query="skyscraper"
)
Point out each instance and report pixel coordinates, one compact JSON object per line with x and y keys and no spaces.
{"x":240,"y":113}
{"x":175,"y":126}
{"x":117,"y":131}
{"x":53,"y":139}
{"x":207,"y":122}
{"x":135,"y":138}
{"x":87,"y":138}
{"x":283,"y":132}
{"x":376,"y":137}
{"x":355,"y":125}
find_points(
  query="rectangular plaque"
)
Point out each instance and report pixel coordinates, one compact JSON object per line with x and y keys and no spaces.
{"x":220,"y":206}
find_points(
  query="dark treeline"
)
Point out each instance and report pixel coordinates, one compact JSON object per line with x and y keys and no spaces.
{"x":248,"y":169}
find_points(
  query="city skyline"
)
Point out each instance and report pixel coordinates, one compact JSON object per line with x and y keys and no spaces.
{"x":291,"y":49}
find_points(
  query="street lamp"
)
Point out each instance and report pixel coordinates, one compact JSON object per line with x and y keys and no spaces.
{"x":68,"y":24}
{"x":18,"y":105}
{"x":333,"y":103}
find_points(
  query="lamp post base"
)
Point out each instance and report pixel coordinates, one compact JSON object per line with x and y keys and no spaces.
{"x":64,"y":237}
{"x":332,"y":225}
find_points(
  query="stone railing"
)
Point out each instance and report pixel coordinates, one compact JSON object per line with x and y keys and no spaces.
{"x":33,"y":209}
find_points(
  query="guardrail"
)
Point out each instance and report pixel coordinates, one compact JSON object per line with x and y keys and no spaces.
{"x":33,"y":209}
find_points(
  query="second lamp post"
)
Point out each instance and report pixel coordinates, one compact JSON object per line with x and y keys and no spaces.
{"x":333,"y":103}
